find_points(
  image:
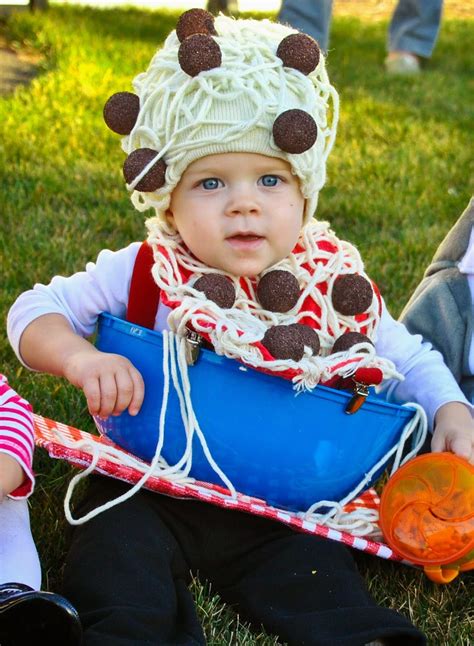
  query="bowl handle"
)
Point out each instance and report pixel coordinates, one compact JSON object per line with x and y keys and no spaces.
{"x":441,"y":574}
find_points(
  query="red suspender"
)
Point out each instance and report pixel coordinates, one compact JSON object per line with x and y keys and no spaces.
{"x":144,"y":295}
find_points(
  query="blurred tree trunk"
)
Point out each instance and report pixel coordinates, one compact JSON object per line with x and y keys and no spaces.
{"x":226,"y":6}
{"x":38,"y":5}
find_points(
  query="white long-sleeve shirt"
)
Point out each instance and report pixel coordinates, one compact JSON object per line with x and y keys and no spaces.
{"x":466,"y":266}
{"x":16,"y":434}
{"x":104,"y":287}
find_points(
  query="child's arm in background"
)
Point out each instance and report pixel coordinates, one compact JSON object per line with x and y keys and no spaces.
{"x":110,"y":382}
{"x":16,"y":443}
{"x":48,"y":326}
{"x":427,"y":382}
{"x":441,"y":310}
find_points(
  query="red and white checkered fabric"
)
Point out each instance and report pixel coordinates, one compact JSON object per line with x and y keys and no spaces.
{"x":49,"y":435}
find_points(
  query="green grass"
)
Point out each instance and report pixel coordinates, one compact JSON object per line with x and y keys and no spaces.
{"x":400,"y":175}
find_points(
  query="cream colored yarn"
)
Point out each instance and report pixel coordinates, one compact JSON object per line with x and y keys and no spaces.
{"x":230,"y":108}
{"x":234,"y":331}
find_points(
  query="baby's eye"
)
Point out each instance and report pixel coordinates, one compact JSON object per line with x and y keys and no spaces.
{"x":270,"y":180}
{"x":211,"y":183}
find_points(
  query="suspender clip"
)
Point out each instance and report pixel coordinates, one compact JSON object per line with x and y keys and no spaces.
{"x":358,"y":398}
{"x":193,"y":347}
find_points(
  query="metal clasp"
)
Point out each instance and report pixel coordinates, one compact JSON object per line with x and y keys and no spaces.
{"x":193,"y":347}
{"x":361,"y":392}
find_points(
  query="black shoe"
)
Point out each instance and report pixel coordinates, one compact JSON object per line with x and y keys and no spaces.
{"x":29,"y":617}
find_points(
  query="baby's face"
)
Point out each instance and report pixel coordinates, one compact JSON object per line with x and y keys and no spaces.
{"x":238,"y":212}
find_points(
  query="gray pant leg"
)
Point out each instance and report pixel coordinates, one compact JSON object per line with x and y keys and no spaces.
{"x":313,"y":17}
{"x":414,"y":26}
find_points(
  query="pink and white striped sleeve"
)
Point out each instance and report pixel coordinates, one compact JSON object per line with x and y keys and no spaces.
{"x":17,"y":435}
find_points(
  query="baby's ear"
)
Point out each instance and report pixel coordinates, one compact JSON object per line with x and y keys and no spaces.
{"x":170,"y":221}
{"x":169,"y":217}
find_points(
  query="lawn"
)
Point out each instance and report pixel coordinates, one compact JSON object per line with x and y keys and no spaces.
{"x":400,"y":175}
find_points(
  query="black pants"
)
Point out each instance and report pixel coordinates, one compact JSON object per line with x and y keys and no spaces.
{"x":127,"y":573}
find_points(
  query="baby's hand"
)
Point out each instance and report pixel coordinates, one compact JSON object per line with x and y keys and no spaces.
{"x":110,"y":382}
{"x":454,"y":431}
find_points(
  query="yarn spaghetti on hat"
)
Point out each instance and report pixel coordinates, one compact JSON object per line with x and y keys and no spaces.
{"x":220,"y":86}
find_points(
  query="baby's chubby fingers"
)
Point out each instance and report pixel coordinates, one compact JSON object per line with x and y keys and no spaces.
{"x":461,"y":443}
{"x":124,"y":391}
{"x":457,"y":441}
{"x":91,"y":389}
{"x":130,"y":391}
{"x":454,"y":430}
{"x":108,"y":394}
{"x":138,"y":392}
{"x":110,"y":381}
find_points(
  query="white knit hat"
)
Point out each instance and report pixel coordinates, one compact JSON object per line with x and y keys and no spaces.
{"x":220,"y":86}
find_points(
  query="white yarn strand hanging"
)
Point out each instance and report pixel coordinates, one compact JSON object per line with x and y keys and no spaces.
{"x":234,"y":331}
{"x":360,"y":522}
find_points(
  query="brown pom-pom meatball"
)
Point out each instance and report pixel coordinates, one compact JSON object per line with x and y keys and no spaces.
{"x":289,"y":341}
{"x":295,"y":131}
{"x":217,"y":288}
{"x":121,"y":112}
{"x":199,"y":53}
{"x":299,"y":51}
{"x":347,"y":340}
{"x":309,"y":337}
{"x":351,"y":294}
{"x":136,"y":162}
{"x":278,"y":291}
{"x":195,"y":21}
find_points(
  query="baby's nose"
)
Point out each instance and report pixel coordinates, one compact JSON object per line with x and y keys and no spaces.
{"x":243,"y":201}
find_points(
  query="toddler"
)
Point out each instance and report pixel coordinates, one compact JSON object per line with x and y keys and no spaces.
{"x":442,"y":306}
{"x":227,"y":136}
{"x":26,"y":613}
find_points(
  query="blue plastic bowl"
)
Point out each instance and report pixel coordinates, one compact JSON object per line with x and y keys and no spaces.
{"x":290,"y":450}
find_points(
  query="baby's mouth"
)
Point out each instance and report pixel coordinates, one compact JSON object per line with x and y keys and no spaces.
{"x":245,"y":240}
{"x":245,"y":236}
